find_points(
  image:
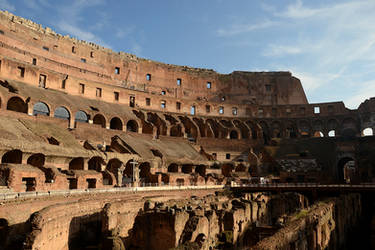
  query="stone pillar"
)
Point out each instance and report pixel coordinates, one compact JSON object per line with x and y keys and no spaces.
{"x":120,"y":172}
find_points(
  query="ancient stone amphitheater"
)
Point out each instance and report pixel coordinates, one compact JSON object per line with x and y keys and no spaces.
{"x":106,"y":149}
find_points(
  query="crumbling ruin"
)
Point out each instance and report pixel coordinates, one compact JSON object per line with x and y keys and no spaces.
{"x":78,"y":119}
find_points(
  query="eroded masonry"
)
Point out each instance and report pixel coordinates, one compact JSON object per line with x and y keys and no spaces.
{"x":79,"y":120}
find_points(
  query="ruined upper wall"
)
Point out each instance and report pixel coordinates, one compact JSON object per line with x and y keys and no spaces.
{"x":89,"y":62}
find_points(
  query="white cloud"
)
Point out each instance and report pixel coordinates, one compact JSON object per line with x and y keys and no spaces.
{"x":245,"y":28}
{"x":365,"y":92}
{"x":5,"y":5}
{"x":281,"y":50}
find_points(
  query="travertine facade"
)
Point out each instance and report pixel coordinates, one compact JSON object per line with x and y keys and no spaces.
{"x":77,"y":116}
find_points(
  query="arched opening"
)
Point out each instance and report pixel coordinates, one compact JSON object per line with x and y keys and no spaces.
{"x":81,"y":116}
{"x":304,"y":129}
{"x":95,"y":163}
{"x":173,"y":168}
{"x":144,"y":172}
{"x":240,"y":168}
{"x":99,"y":120}
{"x":176,"y":131}
{"x":180,"y":182}
{"x":187,"y":168}
{"x":128,"y":172}
{"x":40,"y":108}
{"x":76,"y":163}
{"x":332,"y":133}
{"x":4,"y":231}
{"x":345,"y":169}
{"x":116,"y":123}
{"x":13,"y":156}
{"x":36,"y":160}
{"x":227,"y":169}
{"x":107,"y":178}
{"x":349,"y":128}
{"x":132,"y":126}
{"x":112,"y":166}
{"x":318,"y":134}
{"x":201,"y":170}
{"x":17,"y":104}
{"x":233,"y":134}
{"x":367,"y":132}
{"x":62,"y":113}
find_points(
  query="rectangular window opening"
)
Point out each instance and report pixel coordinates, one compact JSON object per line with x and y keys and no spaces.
{"x":42,"y":81}
{"x":73,"y":49}
{"x":116,"y":95}
{"x":45,"y":48}
{"x":316,"y":110}
{"x":163,"y":92}
{"x":92,"y":54}
{"x":98,"y":92}
{"x":148,"y":101}
{"x":131,"y":101}
{"x":163,"y":104}
{"x":34,"y":61}
{"x":302,"y":110}
{"x":209,"y":85}
{"x":63,"y":83}
{"x":234,"y":111}
{"x":192,"y":110}
{"x":178,"y":105}
{"x":83,"y":60}
{"x":221,"y":110}
{"x":227,"y":156}
{"x":81,"y":88}
{"x":148,"y":77}
{"x":179,"y":81}
{"x":208,"y":108}
{"x":21,"y":71}
{"x":117,"y":70}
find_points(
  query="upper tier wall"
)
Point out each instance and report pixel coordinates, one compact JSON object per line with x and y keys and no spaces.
{"x":85,"y":62}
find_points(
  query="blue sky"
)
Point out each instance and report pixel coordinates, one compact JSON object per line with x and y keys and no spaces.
{"x":329,"y":45}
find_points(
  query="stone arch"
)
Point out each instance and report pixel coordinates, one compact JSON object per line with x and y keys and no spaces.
{"x":318,"y":125}
{"x":128,"y":172}
{"x":318,"y":134}
{"x":41,"y":108}
{"x":176,"y":131}
{"x":187,"y":168}
{"x":201,"y":126}
{"x":81,"y":116}
{"x":227,"y":169}
{"x":214,"y":127}
{"x":107,"y":178}
{"x":77,"y":163}
{"x":367,"y":132}
{"x":349,"y":127}
{"x":276,"y":129}
{"x":304,"y":128}
{"x":233,"y":134}
{"x":16,"y":104}
{"x":158,"y":123}
{"x":291,"y":129}
{"x":243,"y":128}
{"x":116,"y":123}
{"x":62,"y":113}
{"x":112,"y":166}
{"x":201,"y":170}
{"x":99,"y":119}
{"x":132,"y":126}
{"x":95,"y":163}
{"x":145,"y":172}
{"x":341,"y":167}
{"x":173,"y":168}
{"x":332,"y":133}
{"x":332,"y":125}
{"x":240,"y":168}
{"x":12,"y":156}
{"x":190,"y":129}
{"x":36,"y":160}
{"x":265,"y":131}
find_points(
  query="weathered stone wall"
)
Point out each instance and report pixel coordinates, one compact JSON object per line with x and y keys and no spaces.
{"x":324,"y":225}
